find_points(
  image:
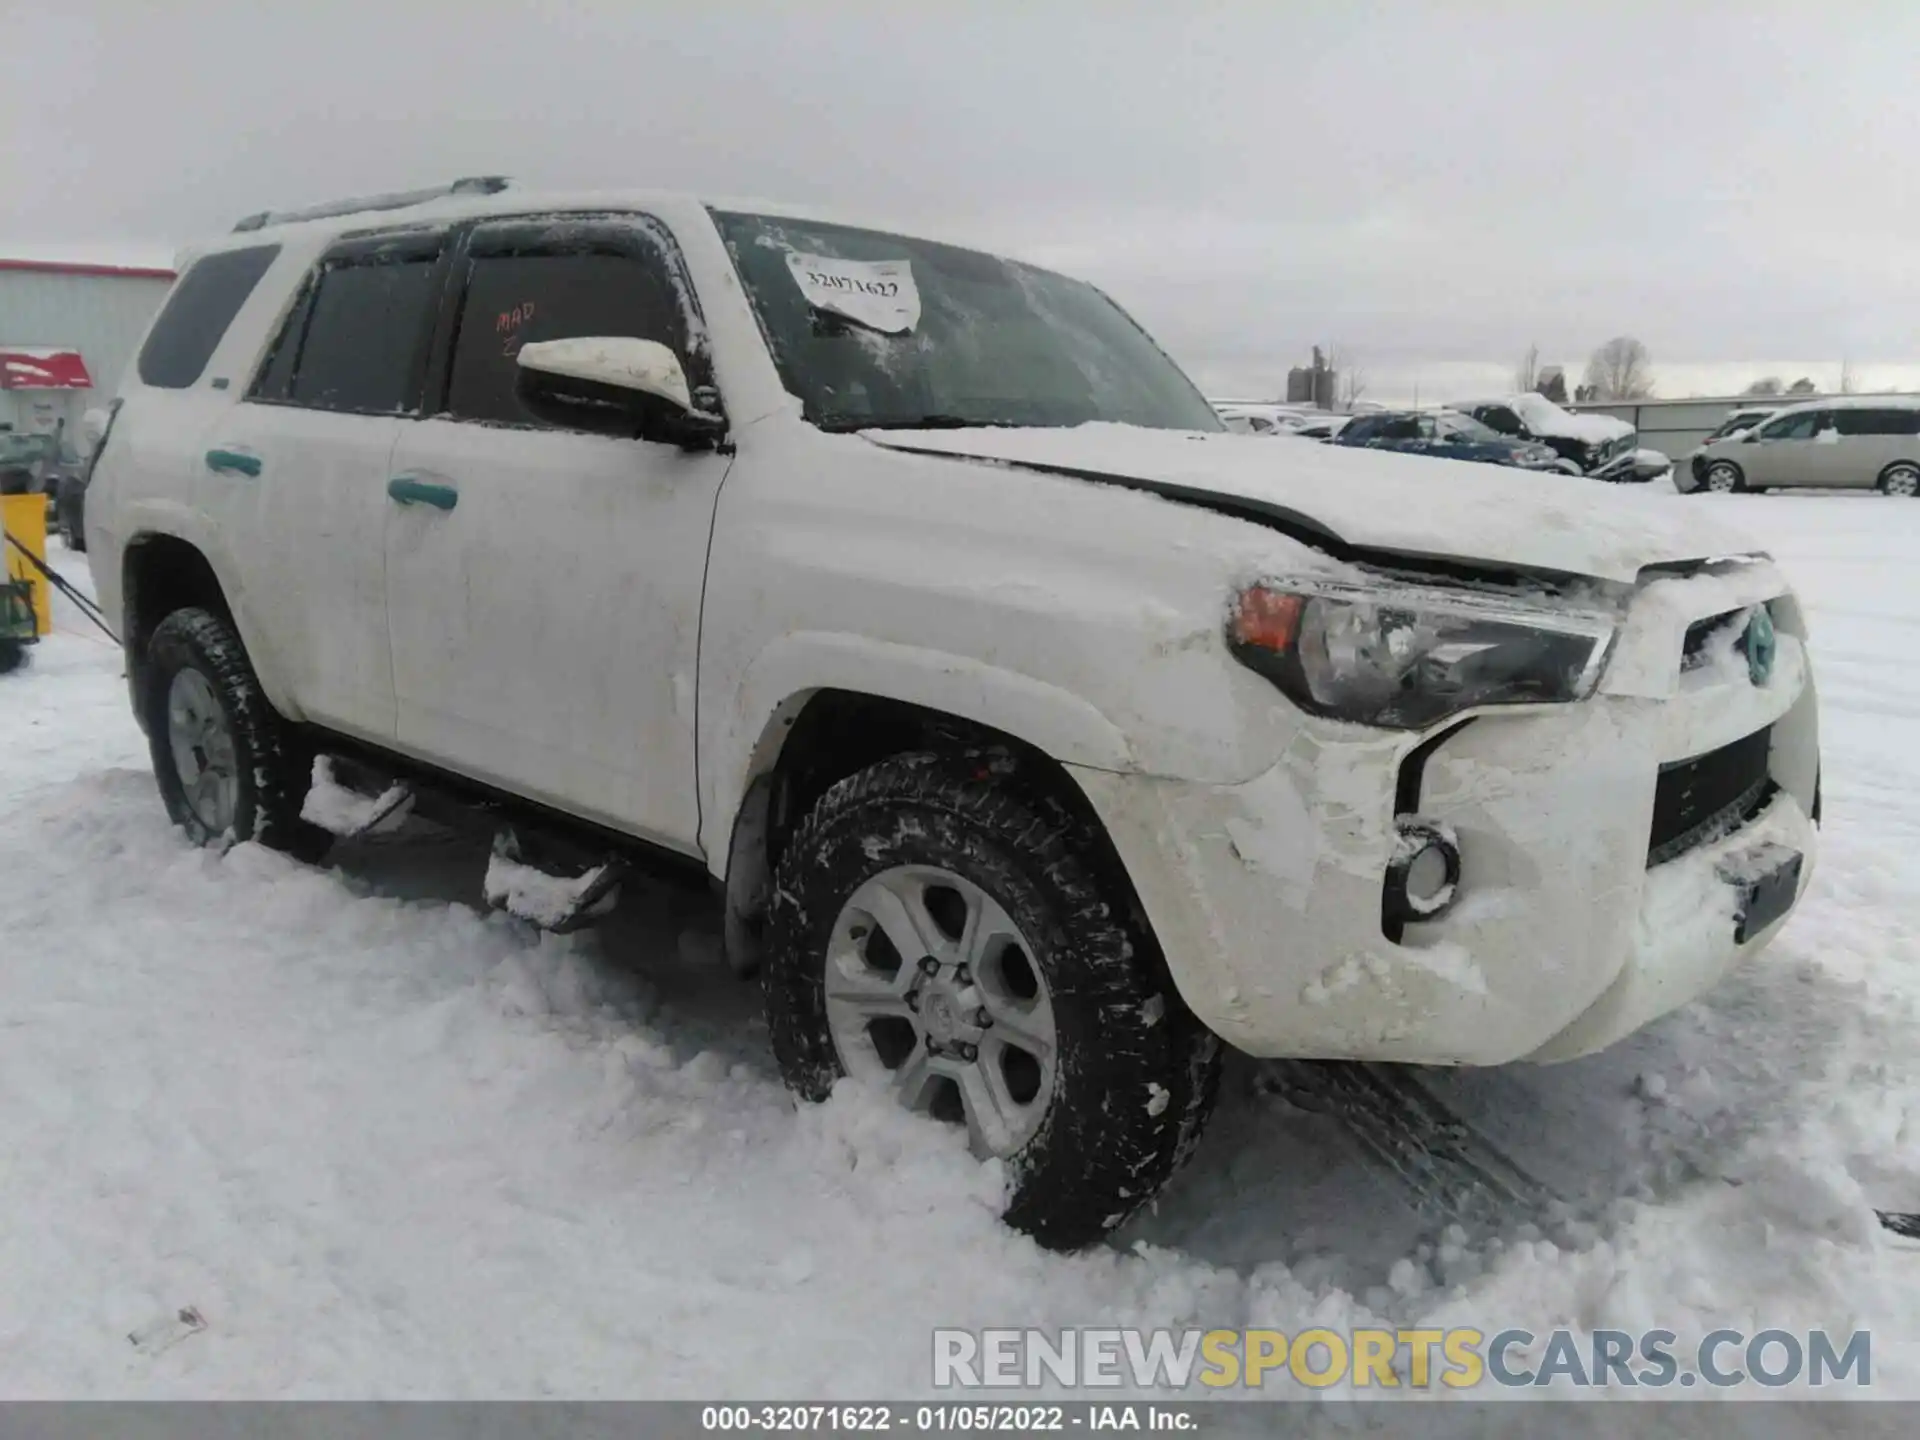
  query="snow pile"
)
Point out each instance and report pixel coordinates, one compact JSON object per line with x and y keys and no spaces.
{"x":382,"y":1143}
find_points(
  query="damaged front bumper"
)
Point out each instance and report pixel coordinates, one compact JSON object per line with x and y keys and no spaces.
{"x":1590,"y":898}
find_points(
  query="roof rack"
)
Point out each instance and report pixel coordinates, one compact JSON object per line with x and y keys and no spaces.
{"x":398,"y":200}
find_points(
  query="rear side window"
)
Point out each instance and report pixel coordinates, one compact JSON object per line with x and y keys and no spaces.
{"x":515,"y":298}
{"x":356,"y":337}
{"x":197,"y":314}
{"x":1890,"y":421}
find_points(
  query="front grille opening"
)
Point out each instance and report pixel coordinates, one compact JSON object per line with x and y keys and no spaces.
{"x":1708,"y":796}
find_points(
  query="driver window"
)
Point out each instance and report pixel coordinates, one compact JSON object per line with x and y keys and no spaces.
{"x":514,"y":299}
{"x":1794,"y":427}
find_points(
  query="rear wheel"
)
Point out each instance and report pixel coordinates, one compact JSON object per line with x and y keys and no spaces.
{"x":942,"y":933}
{"x":1902,"y":480}
{"x":228,"y":765}
{"x":1723,"y":477}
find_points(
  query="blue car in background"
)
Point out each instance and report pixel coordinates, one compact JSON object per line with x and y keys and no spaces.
{"x":1446,"y":434}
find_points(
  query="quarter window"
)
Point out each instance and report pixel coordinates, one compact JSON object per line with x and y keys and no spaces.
{"x":548,"y":293}
{"x":197,"y":313}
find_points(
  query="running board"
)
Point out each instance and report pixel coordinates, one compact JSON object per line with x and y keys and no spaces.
{"x":348,"y":812}
{"x":550,"y":900}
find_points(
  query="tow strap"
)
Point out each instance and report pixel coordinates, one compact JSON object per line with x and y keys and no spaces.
{"x":67,"y":588}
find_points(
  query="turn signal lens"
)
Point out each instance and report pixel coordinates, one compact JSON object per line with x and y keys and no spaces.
{"x":1268,"y":619}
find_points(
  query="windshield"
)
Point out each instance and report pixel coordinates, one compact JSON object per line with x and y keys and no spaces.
{"x":873,"y":330}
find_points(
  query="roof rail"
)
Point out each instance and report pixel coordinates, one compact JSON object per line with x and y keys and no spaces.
{"x":397,"y":200}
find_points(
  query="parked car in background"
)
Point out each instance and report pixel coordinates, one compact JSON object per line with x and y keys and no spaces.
{"x":1302,"y":422}
{"x":40,"y":458}
{"x":1446,"y":435}
{"x":1597,"y":445}
{"x":70,"y":498}
{"x":1314,"y":427}
{"x":1823,"y":444}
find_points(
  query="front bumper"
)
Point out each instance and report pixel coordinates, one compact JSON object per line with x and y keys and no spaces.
{"x":1267,"y":896}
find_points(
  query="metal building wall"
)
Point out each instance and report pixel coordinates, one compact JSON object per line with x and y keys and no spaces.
{"x":101,"y":316}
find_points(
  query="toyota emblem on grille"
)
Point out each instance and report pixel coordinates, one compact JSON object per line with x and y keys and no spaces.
{"x":1761,"y":646}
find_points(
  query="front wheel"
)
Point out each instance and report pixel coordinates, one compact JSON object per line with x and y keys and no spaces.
{"x":1723,"y":478}
{"x":942,"y":933}
{"x":1902,"y":480}
{"x":228,"y":766}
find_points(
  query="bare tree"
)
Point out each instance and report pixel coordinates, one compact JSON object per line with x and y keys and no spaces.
{"x":1526,"y":375}
{"x":1349,"y":375}
{"x":1621,"y":369}
{"x":1766,"y":385}
{"x":1803,"y":386}
{"x":1553,"y":384}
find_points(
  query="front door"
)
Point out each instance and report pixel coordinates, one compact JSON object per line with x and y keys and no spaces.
{"x":544,"y":585}
{"x":1787,"y":451}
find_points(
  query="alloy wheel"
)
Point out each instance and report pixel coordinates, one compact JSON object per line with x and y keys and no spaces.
{"x":931,"y":987}
{"x":204,"y":755}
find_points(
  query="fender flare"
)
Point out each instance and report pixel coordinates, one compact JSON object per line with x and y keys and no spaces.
{"x":754,"y":718}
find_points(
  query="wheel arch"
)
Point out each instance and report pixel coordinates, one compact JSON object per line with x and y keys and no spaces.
{"x":162,"y":571}
{"x":1880,"y":480}
{"x":820,"y":736}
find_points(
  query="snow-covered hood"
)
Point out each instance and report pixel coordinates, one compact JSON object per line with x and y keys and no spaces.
{"x":1543,"y":417}
{"x":1365,"y":500}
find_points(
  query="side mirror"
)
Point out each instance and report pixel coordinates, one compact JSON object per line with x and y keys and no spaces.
{"x":614,"y":385}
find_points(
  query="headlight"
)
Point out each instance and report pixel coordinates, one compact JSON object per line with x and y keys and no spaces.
{"x":1408,"y":656}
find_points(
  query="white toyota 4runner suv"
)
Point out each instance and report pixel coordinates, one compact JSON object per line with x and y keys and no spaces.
{"x":1040,"y":734}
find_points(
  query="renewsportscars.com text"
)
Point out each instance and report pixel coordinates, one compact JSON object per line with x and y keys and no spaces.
{"x":1383,"y":1359}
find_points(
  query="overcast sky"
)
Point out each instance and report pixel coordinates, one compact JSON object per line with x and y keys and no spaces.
{"x":1433,"y":187}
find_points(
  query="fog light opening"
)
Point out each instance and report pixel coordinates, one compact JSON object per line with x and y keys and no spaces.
{"x":1423,"y":875}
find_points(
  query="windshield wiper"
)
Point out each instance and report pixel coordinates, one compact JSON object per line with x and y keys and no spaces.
{"x":844,"y":424}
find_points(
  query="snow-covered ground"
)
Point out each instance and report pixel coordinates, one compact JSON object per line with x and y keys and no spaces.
{"x":391,"y":1145}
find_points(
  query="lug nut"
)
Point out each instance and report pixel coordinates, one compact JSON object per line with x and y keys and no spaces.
{"x":929,"y":965}
{"x":913,"y":1001}
{"x":981,"y":1018}
{"x":933,"y":1046}
{"x":966,"y":1051}
{"x":963,"y":976}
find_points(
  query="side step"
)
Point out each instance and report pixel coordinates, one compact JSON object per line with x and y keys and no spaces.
{"x":345,"y":810}
{"x":553,"y":901}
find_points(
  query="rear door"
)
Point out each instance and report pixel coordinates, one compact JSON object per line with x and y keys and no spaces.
{"x":544,"y":584}
{"x":1870,"y":440}
{"x":300,"y":471}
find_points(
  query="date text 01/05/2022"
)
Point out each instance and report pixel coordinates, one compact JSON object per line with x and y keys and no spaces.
{"x":945,"y":1418}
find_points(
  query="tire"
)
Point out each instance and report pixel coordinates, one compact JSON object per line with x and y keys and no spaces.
{"x":13,"y":656}
{"x":1731,"y":481}
{"x":260,"y":771}
{"x":1901,"y":480}
{"x":75,"y":537}
{"x":1134,"y":1074}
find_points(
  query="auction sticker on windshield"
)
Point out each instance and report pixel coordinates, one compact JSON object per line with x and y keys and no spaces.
{"x":879,"y":294}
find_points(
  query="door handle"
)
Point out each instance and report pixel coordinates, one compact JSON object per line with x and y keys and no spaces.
{"x":233,"y":462}
{"x":412,"y":490}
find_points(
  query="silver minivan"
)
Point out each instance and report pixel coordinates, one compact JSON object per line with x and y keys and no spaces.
{"x":1823,"y":444}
